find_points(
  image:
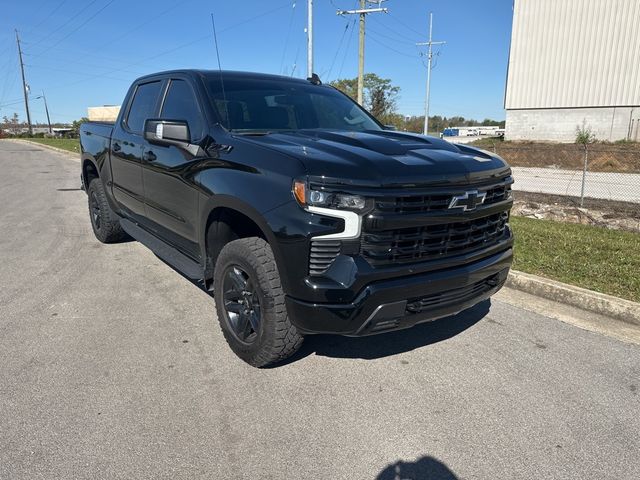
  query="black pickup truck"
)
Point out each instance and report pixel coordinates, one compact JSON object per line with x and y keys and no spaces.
{"x":296,"y":208}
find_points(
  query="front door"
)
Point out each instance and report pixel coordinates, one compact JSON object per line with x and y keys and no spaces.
{"x":170,"y":197}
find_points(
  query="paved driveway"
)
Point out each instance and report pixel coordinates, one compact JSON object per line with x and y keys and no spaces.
{"x":113,"y":366}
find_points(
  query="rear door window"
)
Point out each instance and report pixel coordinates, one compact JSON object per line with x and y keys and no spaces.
{"x":143,"y":105}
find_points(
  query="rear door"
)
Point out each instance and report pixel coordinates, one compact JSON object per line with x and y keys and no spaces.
{"x":127,"y":145}
{"x":170,"y":196}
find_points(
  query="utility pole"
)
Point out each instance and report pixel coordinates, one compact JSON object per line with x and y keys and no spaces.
{"x":363,"y":11}
{"x":361,"y":55}
{"x":430,"y":44}
{"x":309,"y":38}
{"x":46,"y":109}
{"x":24,"y":85}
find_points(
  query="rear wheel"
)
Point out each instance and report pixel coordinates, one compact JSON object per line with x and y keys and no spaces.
{"x":105,"y":223}
{"x":250,"y":303}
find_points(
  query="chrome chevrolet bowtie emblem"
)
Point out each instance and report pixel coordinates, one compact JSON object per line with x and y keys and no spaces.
{"x":469,"y":201}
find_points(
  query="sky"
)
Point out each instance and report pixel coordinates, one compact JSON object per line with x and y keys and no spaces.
{"x":87,"y":53}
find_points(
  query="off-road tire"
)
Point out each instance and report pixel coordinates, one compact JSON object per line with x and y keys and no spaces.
{"x":277,"y":338}
{"x":106,"y":227}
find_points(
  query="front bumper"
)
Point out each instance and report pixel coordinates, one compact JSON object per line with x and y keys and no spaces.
{"x":405,"y":301}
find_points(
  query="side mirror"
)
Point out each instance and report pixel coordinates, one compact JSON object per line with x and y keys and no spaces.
{"x":167,"y":132}
{"x":390,"y":127}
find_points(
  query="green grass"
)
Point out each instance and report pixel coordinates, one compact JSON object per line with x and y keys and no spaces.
{"x":607,"y":261}
{"x":70,"y":144}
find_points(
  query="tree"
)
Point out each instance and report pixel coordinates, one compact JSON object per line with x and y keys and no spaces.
{"x":380,"y":99}
{"x":76,"y":126}
{"x":12,"y":125}
{"x":584,"y":136}
{"x":380,"y":95}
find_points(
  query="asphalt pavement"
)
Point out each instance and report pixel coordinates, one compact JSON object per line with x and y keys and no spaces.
{"x":112,"y":365}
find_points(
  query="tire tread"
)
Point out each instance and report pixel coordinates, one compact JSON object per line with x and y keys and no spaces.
{"x":285,"y":339}
{"x":110,"y":229}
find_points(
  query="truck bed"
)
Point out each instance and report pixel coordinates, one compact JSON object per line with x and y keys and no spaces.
{"x":95,"y":138}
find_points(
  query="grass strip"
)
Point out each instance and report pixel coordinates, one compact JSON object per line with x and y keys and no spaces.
{"x":607,"y":261}
{"x":69,"y":144}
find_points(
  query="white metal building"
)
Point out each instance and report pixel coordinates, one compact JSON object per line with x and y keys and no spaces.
{"x":573,"y":62}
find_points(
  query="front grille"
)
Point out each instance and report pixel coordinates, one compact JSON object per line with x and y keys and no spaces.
{"x":458,"y":295}
{"x":434,"y":202}
{"x":323,"y":253}
{"x":430,"y":242}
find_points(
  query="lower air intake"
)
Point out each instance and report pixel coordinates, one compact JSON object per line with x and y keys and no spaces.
{"x":322,"y":255}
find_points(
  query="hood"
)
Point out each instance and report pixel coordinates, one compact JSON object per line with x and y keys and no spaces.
{"x":384,"y":158}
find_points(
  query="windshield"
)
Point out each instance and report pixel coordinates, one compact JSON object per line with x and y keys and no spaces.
{"x":267,"y":105}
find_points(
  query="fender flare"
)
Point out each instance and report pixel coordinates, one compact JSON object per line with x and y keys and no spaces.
{"x":233,"y":203}
{"x":83,"y":161}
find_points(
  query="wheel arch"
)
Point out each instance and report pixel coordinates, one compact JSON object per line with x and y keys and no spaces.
{"x":225,"y":219}
{"x":90,"y":170}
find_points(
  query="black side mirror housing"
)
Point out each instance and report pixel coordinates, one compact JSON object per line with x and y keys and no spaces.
{"x":167,"y":132}
{"x":390,"y":127}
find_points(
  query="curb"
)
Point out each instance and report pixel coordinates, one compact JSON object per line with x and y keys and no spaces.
{"x":608,"y":305}
{"x":55,"y":149}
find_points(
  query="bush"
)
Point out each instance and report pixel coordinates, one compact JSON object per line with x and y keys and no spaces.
{"x":584,"y":134}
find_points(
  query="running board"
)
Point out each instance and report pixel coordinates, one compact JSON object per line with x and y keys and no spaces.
{"x":169,"y":254}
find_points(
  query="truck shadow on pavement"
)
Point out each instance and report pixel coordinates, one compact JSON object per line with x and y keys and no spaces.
{"x":392,"y":343}
{"x":426,"y":468}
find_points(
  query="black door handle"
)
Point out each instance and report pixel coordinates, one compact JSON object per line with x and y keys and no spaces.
{"x":149,"y":156}
{"x":116,"y":147}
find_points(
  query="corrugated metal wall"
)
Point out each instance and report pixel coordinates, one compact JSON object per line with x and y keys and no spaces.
{"x":574,"y":53}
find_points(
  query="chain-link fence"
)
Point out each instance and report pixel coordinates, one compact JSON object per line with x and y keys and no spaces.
{"x":594,"y":171}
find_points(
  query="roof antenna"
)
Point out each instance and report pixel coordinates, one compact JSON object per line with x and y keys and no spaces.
{"x":224,"y":94}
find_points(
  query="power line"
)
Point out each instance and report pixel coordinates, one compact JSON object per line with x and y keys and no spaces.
{"x":286,"y":41}
{"x":382,"y":44}
{"x":71,"y":57}
{"x":73,"y":72}
{"x":11,"y":103}
{"x":76,"y":62}
{"x":75,"y":29}
{"x":14,"y":79}
{"x":295,"y":59}
{"x":405,"y":25}
{"x":394,"y":31}
{"x":57,"y":7}
{"x":389,"y":37}
{"x":179,"y":47}
{"x":80,"y":12}
{"x":346,"y":50}
{"x":10,"y":72}
{"x":121,"y":36}
{"x":335,"y":57}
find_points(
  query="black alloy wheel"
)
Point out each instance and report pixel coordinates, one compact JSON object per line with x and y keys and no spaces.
{"x":95,"y":210}
{"x":250,"y":303}
{"x":241,"y":304}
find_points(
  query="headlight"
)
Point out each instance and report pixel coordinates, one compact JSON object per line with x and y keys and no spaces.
{"x":318,"y":198}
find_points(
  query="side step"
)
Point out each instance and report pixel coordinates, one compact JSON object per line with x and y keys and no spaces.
{"x":173,"y":257}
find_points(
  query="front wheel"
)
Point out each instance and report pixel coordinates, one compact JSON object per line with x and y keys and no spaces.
{"x":250,"y":303}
